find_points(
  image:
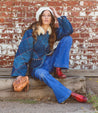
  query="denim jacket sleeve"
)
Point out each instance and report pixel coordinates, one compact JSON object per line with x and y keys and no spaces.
{"x":23,"y":55}
{"x":65,"y":27}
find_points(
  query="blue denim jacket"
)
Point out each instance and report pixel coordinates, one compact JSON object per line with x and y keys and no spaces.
{"x":34,"y":52}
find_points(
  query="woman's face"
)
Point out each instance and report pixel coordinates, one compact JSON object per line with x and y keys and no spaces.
{"x":46,"y":17}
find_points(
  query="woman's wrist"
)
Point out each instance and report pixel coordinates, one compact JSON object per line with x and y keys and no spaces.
{"x":57,"y":16}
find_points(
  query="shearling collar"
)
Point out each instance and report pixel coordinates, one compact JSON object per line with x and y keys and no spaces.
{"x":40,"y":30}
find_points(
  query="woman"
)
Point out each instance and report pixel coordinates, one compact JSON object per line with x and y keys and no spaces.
{"x":36,"y":49}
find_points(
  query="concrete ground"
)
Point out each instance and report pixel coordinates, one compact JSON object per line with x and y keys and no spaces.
{"x":92,"y":85}
{"x":16,"y":107}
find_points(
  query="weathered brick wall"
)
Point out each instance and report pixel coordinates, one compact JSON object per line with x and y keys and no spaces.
{"x":17,"y":15}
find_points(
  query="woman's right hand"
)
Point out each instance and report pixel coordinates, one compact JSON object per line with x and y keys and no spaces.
{"x":55,"y":12}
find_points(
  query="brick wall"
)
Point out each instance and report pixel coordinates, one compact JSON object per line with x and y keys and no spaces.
{"x":17,"y":15}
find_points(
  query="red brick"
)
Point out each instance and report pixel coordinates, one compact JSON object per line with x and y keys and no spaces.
{"x":58,"y":8}
{"x":91,"y":24}
{"x":75,"y":35}
{"x":29,"y":14}
{"x":71,"y":3}
{"x":89,"y":56}
{"x":18,"y":19}
{"x":11,"y":57}
{"x":79,"y":40}
{"x":7,"y":41}
{"x":9,"y":25}
{"x":79,"y":19}
{"x":96,"y":30}
{"x":76,"y":25}
{"x":84,"y":35}
{"x":17,"y":3}
{"x":27,"y":20}
{"x":7,"y":35}
{"x":25,"y":3}
{"x":9,"y":20}
{"x":9,"y":3}
{"x":89,"y":51}
{"x":10,"y":63}
{"x":70,"y":19}
{"x":94,"y":40}
{"x":50,"y":3}
{"x":4,"y":14}
{"x":75,"y":13}
{"x":91,"y":47}
{"x":3,"y":62}
{"x":38,"y":2}
{"x":17,"y":9}
{"x":2,"y":40}
{"x":1,"y":20}
{"x":97,"y":18}
{"x":90,"y":3}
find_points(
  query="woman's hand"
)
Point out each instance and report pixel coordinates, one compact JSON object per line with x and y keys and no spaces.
{"x":55,"y":12}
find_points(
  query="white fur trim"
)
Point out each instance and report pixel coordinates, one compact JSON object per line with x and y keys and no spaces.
{"x":42,"y":31}
{"x":40,"y":10}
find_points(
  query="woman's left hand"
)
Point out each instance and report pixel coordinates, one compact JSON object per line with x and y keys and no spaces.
{"x":55,"y":12}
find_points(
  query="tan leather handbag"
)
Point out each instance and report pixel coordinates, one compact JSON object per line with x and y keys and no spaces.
{"x":21,"y":83}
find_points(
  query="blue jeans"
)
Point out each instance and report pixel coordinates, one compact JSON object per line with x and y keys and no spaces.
{"x":60,"y":58}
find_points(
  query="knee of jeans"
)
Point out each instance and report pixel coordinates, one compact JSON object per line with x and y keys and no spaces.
{"x":67,"y":39}
{"x":41,"y":73}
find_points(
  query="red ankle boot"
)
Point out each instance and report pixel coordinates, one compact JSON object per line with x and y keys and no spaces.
{"x":79,"y":98}
{"x":59,"y":73}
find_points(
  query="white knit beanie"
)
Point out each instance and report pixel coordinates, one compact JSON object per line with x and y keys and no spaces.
{"x":40,"y":10}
